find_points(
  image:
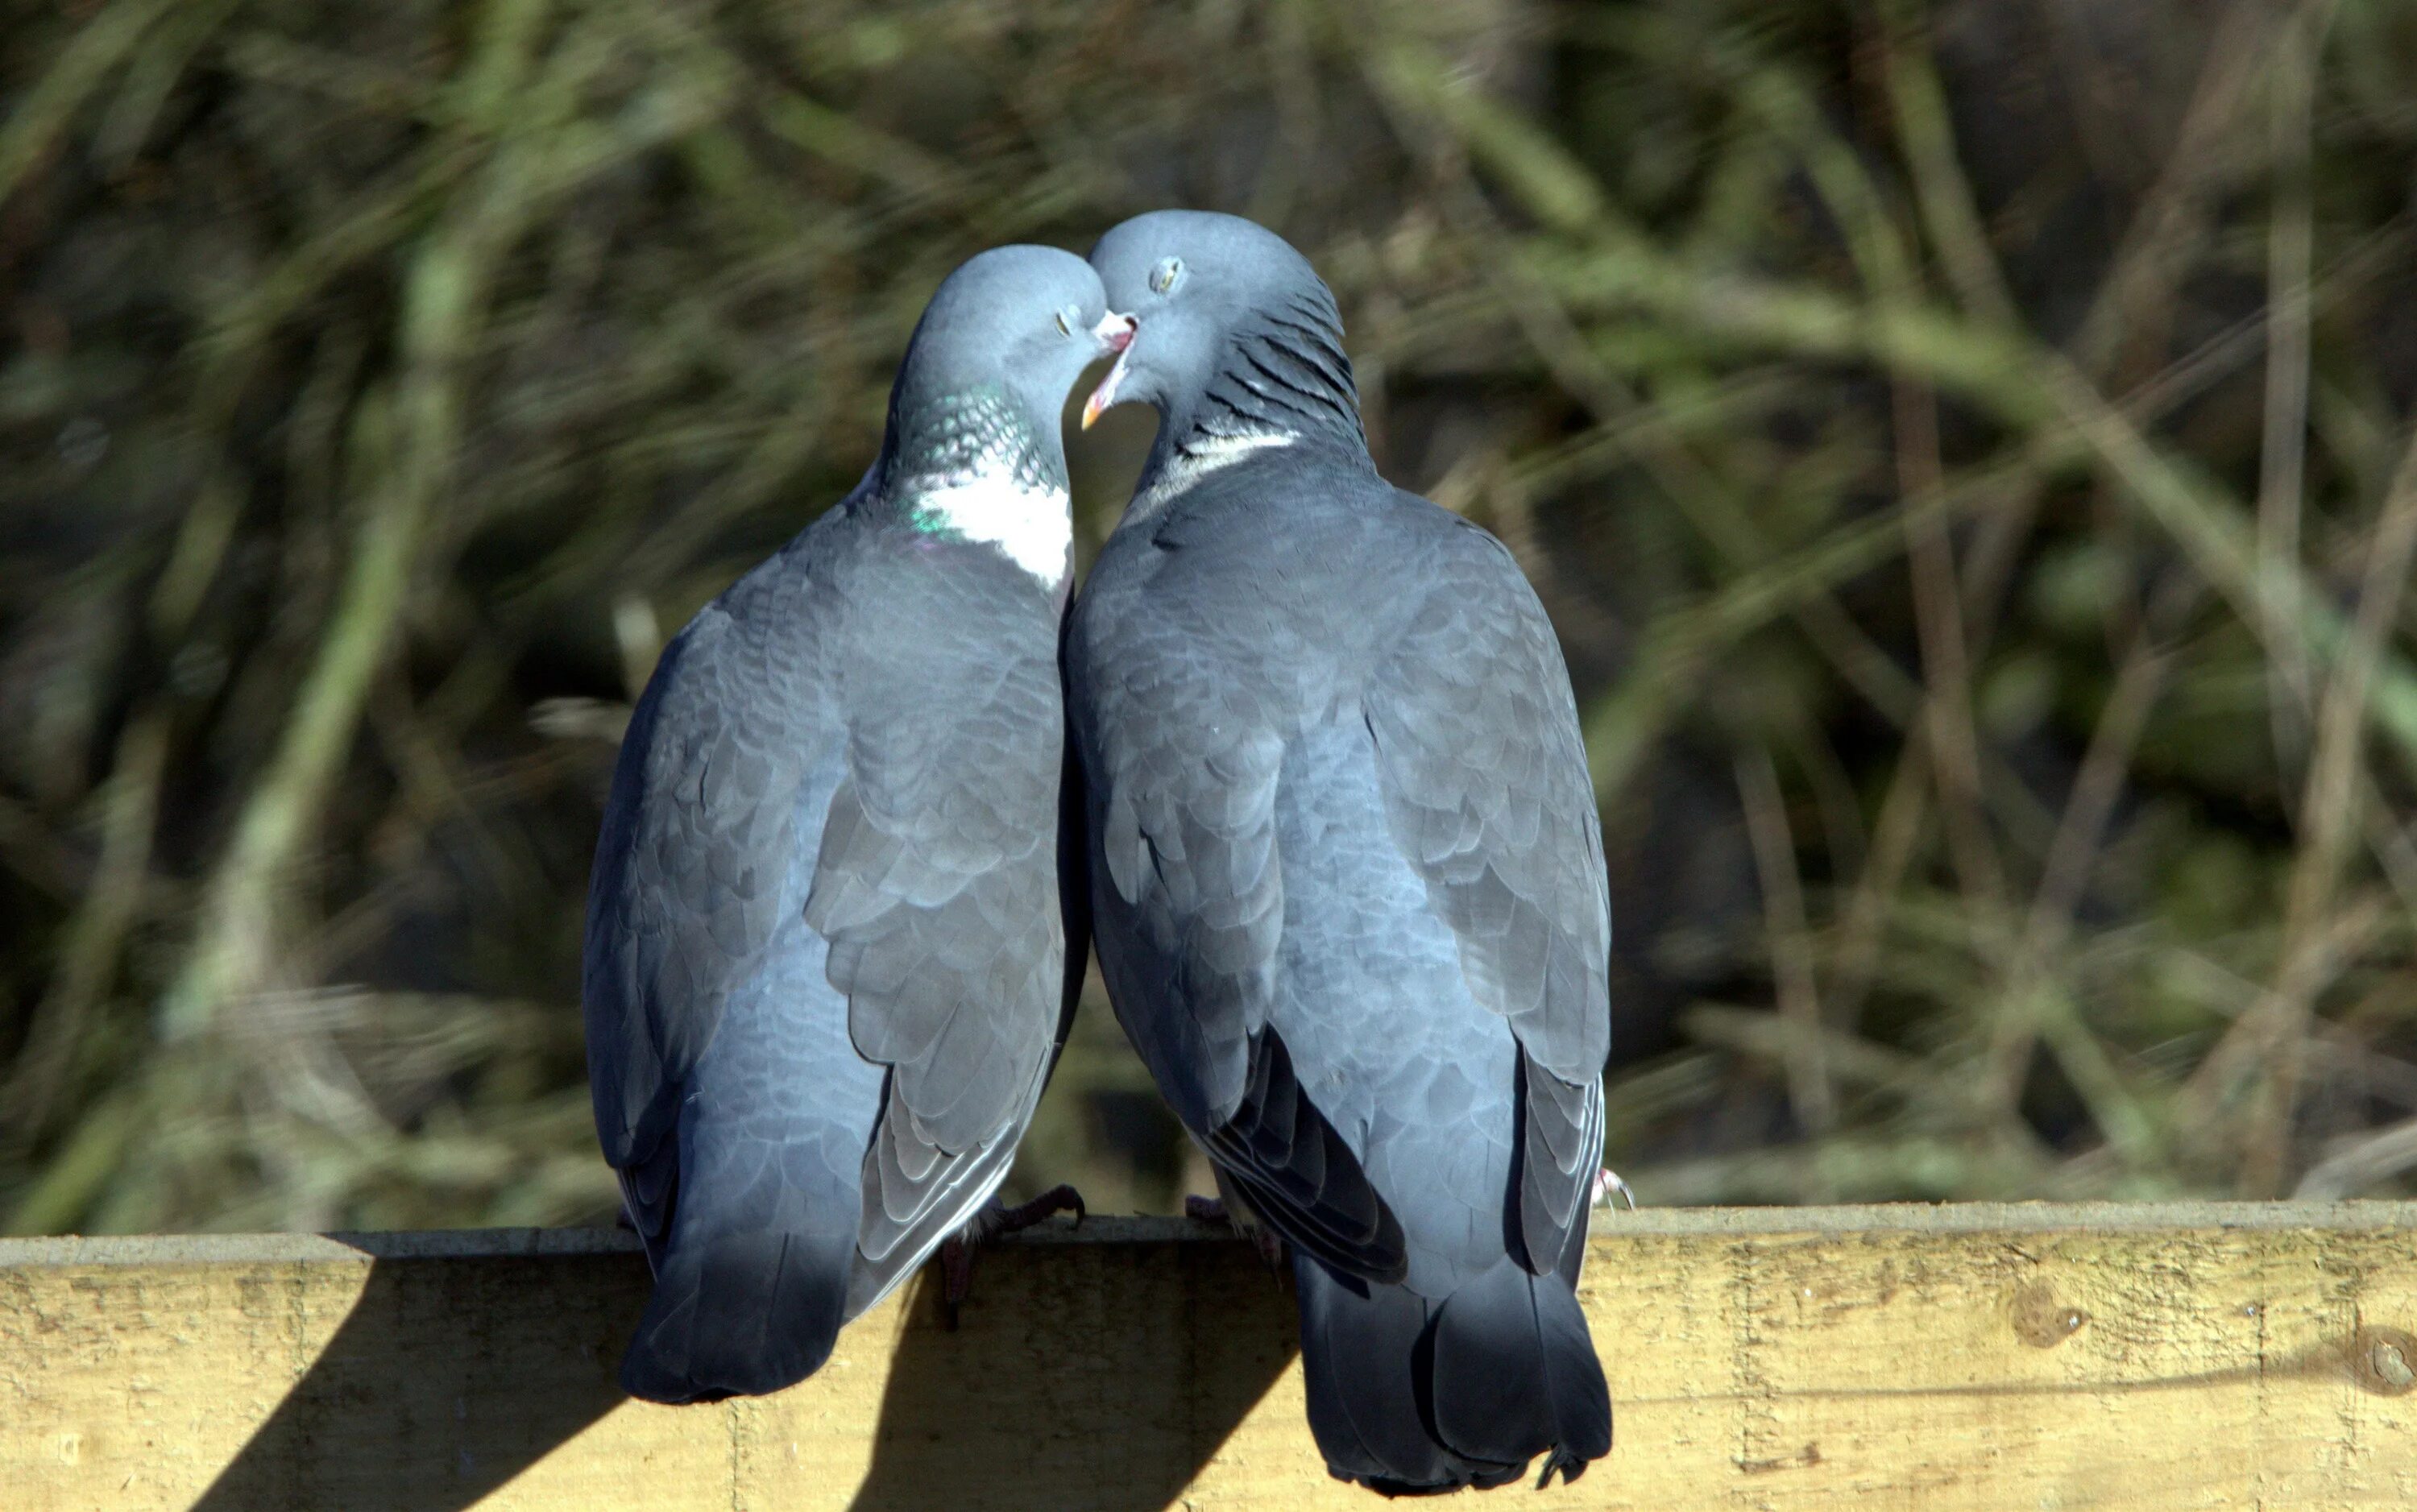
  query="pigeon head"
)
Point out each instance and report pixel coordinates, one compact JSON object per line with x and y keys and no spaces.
{"x":1239,"y":339}
{"x":987,"y":372}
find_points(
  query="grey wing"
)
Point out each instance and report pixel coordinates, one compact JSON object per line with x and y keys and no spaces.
{"x":1181,"y":768}
{"x":936,"y":887}
{"x":1487,"y":791}
{"x":697,"y":839}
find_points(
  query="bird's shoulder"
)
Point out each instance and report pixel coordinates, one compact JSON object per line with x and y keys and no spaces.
{"x":860,"y":605}
{"x":1287,"y":535}
{"x":776,"y":609}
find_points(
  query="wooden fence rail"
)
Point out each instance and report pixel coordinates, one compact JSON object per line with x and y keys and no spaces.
{"x":1987,"y":1357}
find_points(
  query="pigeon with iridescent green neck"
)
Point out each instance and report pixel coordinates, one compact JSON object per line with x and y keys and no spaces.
{"x":830,"y":954}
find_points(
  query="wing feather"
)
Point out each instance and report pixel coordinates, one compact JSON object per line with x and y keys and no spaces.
{"x":1486,"y":787}
{"x":698,"y":833}
{"x":935,"y":884}
{"x":935,"y":868}
{"x":1182,"y":763}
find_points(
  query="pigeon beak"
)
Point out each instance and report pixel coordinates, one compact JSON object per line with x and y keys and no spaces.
{"x":1115,"y":333}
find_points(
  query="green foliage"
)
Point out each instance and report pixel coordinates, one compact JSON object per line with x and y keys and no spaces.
{"x":1965,"y":452}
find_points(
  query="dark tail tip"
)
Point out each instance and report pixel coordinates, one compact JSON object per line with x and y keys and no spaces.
{"x":1409,"y":1397}
{"x":1515,"y":1373}
{"x":737,"y":1316}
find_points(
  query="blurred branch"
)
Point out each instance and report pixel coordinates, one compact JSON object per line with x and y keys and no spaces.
{"x":539,"y":157}
{"x":1791,"y":961}
{"x":2029,"y":389}
{"x":45,"y":110}
{"x":1707,"y":501}
{"x":1895,"y":836}
{"x":2329,"y":819}
{"x":2361,"y":1165}
{"x":35,"y":855}
{"x":1558,"y":191}
{"x":1756,"y":1031}
{"x":2131,"y":311}
{"x":1944,"y":196}
{"x":95,"y":936}
{"x":1938,"y":618}
{"x":390,"y":381}
{"x":2194,"y":511}
{"x":2291,"y":241}
{"x":59,"y":1196}
{"x":232,"y":950}
{"x":2080,"y":831}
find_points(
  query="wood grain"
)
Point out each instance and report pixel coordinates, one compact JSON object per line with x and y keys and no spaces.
{"x":1987,"y":1356}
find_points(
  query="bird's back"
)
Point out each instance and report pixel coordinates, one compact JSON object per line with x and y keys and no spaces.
{"x":1266,"y":598}
{"x":1347,"y":878}
{"x":1327,"y":739}
{"x":823,"y":904}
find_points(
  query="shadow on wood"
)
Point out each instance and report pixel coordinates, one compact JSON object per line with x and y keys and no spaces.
{"x":1046,"y":1401}
{"x":428,"y":1395}
{"x":1961,"y":1359}
{"x":1084,"y":1374}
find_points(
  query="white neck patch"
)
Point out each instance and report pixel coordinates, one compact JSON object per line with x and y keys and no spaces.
{"x":1034,"y":526}
{"x":1189,"y":466}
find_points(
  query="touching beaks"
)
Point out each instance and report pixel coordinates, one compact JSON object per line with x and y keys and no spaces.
{"x":1116,"y":332}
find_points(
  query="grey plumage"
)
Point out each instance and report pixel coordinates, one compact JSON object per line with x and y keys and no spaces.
{"x":825,"y":971}
{"x":1347,"y":882}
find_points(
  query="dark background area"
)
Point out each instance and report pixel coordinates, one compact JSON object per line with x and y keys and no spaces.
{"x":1963,"y":450}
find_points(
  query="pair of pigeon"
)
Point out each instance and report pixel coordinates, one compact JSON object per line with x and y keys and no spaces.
{"x":1303,"y":755}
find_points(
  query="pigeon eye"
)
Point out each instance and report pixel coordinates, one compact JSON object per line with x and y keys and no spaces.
{"x":1162,"y":277}
{"x":1066,"y":320}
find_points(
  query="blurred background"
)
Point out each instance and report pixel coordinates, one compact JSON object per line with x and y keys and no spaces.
{"x":1963,"y":450}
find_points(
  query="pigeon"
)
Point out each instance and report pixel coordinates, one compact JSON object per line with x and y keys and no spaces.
{"x":1347,"y":875}
{"x":833,"y":940}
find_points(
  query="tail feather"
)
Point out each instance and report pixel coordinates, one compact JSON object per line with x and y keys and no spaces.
{"x":1491,"y":1397}
{"x":1575,"y":1386}
{"x":738,"y":1315}
{"x":1408,"y":1396}
{"x":1358,"y":1344}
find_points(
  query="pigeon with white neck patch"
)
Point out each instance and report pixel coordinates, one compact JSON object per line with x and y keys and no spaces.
{"x":827,"y":969}
{"x":1347,"y":880}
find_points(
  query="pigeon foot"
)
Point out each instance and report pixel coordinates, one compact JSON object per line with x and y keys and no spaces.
{"x":995,"y":1218}
{"x":1213,"y":1210}
{"x":1607,"y":1185}
{"x":1562,"y":1463}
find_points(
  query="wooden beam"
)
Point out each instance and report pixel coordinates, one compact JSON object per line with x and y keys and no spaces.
{"x":1985,"y":1356}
